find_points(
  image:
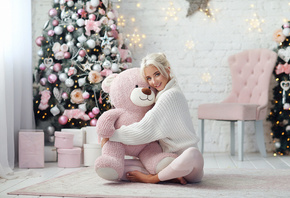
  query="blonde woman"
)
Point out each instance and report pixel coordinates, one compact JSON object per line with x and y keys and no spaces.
{"x":169,"y":122}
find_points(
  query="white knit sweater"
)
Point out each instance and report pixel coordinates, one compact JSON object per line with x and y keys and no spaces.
{"x":168,"y":121}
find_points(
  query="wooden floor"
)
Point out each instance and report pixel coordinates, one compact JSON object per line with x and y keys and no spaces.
{"x":212,"y":160}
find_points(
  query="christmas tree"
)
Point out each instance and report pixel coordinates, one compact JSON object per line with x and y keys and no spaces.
{"x":280,"y":112}
{"x":80,"y":46}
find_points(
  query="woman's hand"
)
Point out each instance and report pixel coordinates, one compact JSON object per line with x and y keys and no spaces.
{"x":104,"y":140}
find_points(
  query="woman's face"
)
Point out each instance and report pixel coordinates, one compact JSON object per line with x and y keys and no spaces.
{"x":155,"y":78}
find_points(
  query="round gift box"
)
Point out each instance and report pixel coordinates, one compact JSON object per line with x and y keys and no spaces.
{"x":63,"y":140}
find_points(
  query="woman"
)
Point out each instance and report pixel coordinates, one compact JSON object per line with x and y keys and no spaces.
{"x":169,"y":122}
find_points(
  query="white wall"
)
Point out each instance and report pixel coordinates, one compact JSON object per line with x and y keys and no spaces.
{"x":213,"y":42}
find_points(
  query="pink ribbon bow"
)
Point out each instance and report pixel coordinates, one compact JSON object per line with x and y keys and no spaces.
{"x":92,"y":25}
{"x":76,"y":113}
{"x":283,"y":68}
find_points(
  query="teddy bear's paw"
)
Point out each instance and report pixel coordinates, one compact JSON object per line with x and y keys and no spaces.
{"x":163,"y":163}
{"x":108,"y":174}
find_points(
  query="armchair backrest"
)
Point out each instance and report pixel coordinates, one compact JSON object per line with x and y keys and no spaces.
{"x":251,"y":72}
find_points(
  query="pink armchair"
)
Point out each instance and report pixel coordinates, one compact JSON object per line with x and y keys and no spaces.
{"x":251,"y":73}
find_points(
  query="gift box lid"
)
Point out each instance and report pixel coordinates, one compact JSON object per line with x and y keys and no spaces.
{"x":92,"y":146}
{"x":63,"y":135}
{"x":74,"y":150}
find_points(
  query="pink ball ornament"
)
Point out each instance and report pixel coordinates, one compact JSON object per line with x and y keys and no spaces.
{"x":113,"y":27}
{"x":55,"y":22}
{"x":43,"y":81}
{"x":81,"y":11}
{"x":96,"y":110}
{"x":92,"y":17}
{"x":86,"y":95}
{"x":70,"y":28}
{"x":64,"y":95}
{"x":52,"y":12}
{"x":42,"y":67}
{"x":82,"y":53}
{"x":39,"y":40}
{"x":50,"y":33}
{"x":52,"y":78}
{"x":129,"y":60}
{"x":57,"y":67}
{"x":93,"y":122}
{"x":115,"y":34}
{"x":62,"y":120}
{"x":91,"y":115}
{"x":286,"y":25}
{"x":66,"y":55}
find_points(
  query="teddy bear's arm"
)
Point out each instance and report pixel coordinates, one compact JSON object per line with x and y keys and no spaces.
{"x":106,"y":123}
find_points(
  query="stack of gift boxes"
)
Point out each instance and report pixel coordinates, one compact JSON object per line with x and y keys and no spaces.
{"x":72,"y":148}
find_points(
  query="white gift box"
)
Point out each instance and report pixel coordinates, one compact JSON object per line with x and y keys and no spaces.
{"x":79,"y":136}
{"x":50,"y":154}
{"x":91,"y":153}
{"x":91,"y":135}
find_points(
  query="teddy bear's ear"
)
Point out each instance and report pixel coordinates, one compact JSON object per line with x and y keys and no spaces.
{"x":106,"y":84}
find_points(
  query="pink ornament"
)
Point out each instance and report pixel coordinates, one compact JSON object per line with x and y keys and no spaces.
{"x":66,"y":55}
{"x":55,"y":22}
{"x":70,"y":28}
{"x":129,"y":60}
{"x":52,"y":12}
{"x":52,"y":78}
{"x":64,"y":95}
{"x":96,"y":110}
{"x":286,"y":25}
{"x":91,"y":115}
{"x":92,"y":17}
{"x":43,"y":81}
{"x":62,"y":120}
{"x":115,"y":34}
{"x":113,"y":27}
{"x":50,"y":33}
{"x":86,"y":95}
{"x":42,"y":67}
{"x":82,"y":53}
{"x":39,"y":40}
{"x":57,"y":67}
{"x":93,"y":122}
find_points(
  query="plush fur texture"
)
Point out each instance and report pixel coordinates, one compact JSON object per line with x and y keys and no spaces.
{"x":132,"y":98}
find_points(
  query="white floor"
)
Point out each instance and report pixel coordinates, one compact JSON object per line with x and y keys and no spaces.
{"x":212,"y":160}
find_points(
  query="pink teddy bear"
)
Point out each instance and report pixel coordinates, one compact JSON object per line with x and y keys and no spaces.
{"x":126,"y":90}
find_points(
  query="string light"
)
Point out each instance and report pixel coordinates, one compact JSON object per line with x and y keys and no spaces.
{"x":171,"y":12}
{"x":209,"y":12}
{"x":255,"y":22}
{"x":121,"y":21}
{"x":206,"y":77}
{"x":135,"y":38}
{"x":189,"y":44}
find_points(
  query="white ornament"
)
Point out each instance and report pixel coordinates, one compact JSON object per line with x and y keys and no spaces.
{"x":91,"y":43}
{"x":70,"y":44}
{"x":62,"y":1}
{"x":97,"y":67}
{"x":110,"y":15}
{"x":40,"y":53}
{"x":284,"y":54}
{"x":68,"y":37}
{"x":69,"y":82}
{"x":82,"y":38}
{"x":80,"y":22}
{"x":107,"y":64}
{"x":74,"y":16}
{"x":81,"y":81}
{"x":286,"y":31}
{"x":80,"y":59}
{"x":114,"y":50}
{"x":62,"y":77}
{"x":54,"y":110}
{"x":56,"y":1}
{"x":95,"y":3}
{"x":83,"y":107}
{"x":70,"y":3}
{"x":79,"y":45}
{"x":106,"y":50}
{"x":115,"y":67}
{"x":66,"y":70}
{"x":94,"y":57}
{"x":277,"y":144}
{"x":58,"y":30}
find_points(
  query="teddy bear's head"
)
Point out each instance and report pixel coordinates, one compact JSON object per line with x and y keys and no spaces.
{"x":129,"y":90}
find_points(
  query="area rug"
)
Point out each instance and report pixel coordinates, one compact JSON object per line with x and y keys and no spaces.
{"x":216,"y":183}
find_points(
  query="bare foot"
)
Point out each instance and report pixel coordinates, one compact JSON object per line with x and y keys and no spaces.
{"x":180,"y":180}
{"x":136,"y":176}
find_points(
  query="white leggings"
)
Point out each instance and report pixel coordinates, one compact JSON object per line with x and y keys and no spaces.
{"x":188,"y":165}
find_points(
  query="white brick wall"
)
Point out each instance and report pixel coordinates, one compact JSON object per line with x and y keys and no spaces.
{"x":214,"y":42}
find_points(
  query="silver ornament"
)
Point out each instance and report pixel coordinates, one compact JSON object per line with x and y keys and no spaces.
{"x":114,"y":50}
{"x":107,"y":64}
{"x":91,"y":43}
{"x":69,"y":82}
{"x":106,"y":50}
{"x":97,"y":67}
{"x":40,"y":53}
{"x":82,"y":38}
{"x":80,"y":59}
{"x":115,"y":67}
{"x":70,"y":44}
{"x":62,"y":77}
{"x":54,"y":110}
{"x":58,"y":30}
{"x":83,"y":107}
{"x":80,"y":22}
{"x":277,"y":144}
{"x":49,"y":130}
{"x":95,"y":3}
{"x":74,"y":16}
{"x":94,"y":57}
{"x":51,"y":139}
{"x":68,"y":37}
{"x":79,"y":45}
{"x":70,"y":3}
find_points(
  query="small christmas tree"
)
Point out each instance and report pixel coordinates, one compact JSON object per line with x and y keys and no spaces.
{"x":80,"y":46}
{"x":280,"y":113}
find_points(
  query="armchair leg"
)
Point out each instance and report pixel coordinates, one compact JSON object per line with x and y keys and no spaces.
{"x":201,"y":134}
{"x":232,"y":138}
{"x":260,"y":137}
{"x":241,"y":126}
